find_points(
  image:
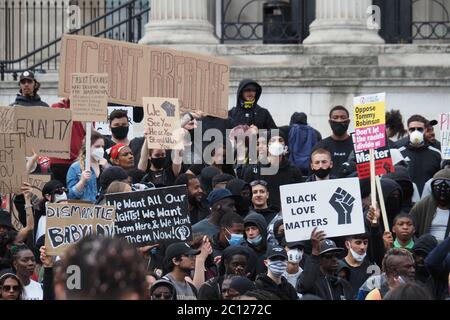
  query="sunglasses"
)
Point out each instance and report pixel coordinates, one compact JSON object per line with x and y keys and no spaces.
{"x":415,"y":128}
{"x":161,"y":295}
{"x":441,"y":181}
{"x":8,"y":288}
{"x":257,"y":182}
{"x":60,"y":191}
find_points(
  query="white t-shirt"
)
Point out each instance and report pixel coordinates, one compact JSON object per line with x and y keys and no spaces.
{"x":292,"y":279}
{"x":439,"y":224}
{"x":33,"y":291}
{"x":41,"y":227}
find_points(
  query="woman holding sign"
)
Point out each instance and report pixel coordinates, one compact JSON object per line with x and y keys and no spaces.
{"x":82,"y":183}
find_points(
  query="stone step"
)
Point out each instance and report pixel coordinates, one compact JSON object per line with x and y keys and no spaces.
{"x":326,"y":60}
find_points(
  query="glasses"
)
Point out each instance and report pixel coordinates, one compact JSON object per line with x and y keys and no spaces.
{"x":166,"y":296}
{"x":61,"y":190}
{"x":8,"y":288}
{"x":256,"y":182}
{"x":415,"y":128}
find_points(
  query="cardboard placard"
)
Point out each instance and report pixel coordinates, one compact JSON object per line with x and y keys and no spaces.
{"x":369,"y":117}
{"x":88,"y":97}
{"x":444,"y":124}
{"x":152,"y":216}
{"x":12,"y":162}
{"x":162,"y":118}
{"x":47,"y":130}
{"x":135,"y":71}
{"x":69,"y":223}
{"x":38,"y":182}
{"x":333,"y":206}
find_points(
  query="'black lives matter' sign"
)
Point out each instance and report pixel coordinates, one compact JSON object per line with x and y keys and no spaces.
{"x":152,"y":216}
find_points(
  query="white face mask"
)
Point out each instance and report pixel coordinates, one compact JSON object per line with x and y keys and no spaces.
{"x":276,"y":149}
{"x":416,"y":137}
{"x":358,"y":257}
{"x":97,"y":153}
{"x":294,"y":255}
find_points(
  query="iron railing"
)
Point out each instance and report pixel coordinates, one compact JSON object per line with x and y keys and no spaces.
{"x":122,"y":20}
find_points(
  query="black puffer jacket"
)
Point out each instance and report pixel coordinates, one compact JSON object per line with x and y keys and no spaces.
{"x":34,"y":101}
{"x":256,"y":115}
{"x":260,"y":250}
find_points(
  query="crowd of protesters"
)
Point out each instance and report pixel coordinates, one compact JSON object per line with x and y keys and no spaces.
{"x":239,"y":250}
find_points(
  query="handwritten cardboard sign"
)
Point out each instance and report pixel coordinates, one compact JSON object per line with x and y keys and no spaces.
{"x":370,"y":128}
{"x":444,"y":124}
{"x":37,"y":182}
{"x":69,"y":223}
{"x":135,"y":71}
{"x":162,"y":118}
{"x":152,"y":216}
{"x":88,"y":97}
{"x":47,"y":130}
{"x":12,"y":162}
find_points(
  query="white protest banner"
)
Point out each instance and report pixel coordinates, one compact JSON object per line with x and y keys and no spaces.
{"x":69,"y":223}
{"x":162,"y":118}
{"x":333,"y":206}
{"x":444,"y":124}
{"x":369,"y":117}
{"x":89,"y":97}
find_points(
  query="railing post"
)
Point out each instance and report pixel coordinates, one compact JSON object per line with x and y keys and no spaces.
{"x":130,"y":22}
{"x":2,"y":71}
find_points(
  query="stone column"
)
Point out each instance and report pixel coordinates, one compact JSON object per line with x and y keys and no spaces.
{"x":343,"y":22}
{"x":179,"y":22}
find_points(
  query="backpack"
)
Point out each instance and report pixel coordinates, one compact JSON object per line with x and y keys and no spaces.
{"x":302,"y":139}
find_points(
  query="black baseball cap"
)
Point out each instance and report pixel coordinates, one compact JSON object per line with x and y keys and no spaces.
{"x":179,"y":248}
{"x":329,"y":245}
{"x":27,"y":75}
{"x":277,"y":251}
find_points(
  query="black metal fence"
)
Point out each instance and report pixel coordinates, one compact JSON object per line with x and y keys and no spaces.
{"x":30,"y":30}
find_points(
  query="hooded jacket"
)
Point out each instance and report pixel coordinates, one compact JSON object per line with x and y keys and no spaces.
{"x":423,"y":163}
{"x":423,"y":213}
{"x":393,"y":204}
{"x":255,"y":115}
{"x":260,"y":250}
{"x":236,"y":186}
{"x":284,"y":290}
{"x":33,"y":101}
{"x":401,"y":176}
{"x":271,"y":214}
{"x":166,"y":283}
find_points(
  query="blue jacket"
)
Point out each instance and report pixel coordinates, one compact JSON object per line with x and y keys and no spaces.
{"x":73,"y":177}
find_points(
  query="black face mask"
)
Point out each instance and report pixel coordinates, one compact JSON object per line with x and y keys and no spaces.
{"x":441,"y":192}
{"x":280,"y":237}
{"x":322,"y":173}
{"x":158,"y":162}
{"x":120,"y":132}
{"x":393,"y":205}
{"x":339,"y":128}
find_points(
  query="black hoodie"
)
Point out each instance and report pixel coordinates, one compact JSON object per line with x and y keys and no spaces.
{"x":260,"y":249}
{"x":393,"y":204}
{"x":24,"y":101}
{"x":423,"y":246}
{"x":401,"y":176}
{"x":284,"y":290}
{"x":255,"y":115}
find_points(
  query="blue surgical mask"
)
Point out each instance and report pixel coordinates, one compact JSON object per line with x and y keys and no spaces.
{"x":255,"y":241}
{"x":235,"y":238}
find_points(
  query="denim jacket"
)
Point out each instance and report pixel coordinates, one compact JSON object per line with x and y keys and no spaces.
{"x":73,"y":177}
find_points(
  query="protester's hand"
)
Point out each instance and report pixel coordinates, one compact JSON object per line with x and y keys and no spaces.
{"x":253,"y":130}
{"x":217,"y":260}
{"x":192,"y":124}
{"x":46,"y":260}
{"x":145,"y":249}
{"x":86,"y":175}
{"x":199,"y":114}
{"x":205,"y":249}
{"x":388,"y":240}
{"x":316,"y":237}
{"x":104,"y":163}
{"x":373,"y":215}
{"x":27,"y":191}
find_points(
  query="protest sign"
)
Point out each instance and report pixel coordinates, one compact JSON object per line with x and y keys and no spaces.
{"x":37,"y":182}
{"x":200,"y":82}
{"x":12,"y":162}
{"x":162,"y":118}
{"x":47,"y":130}
{"x":152,"y":216}
{"x":369,"y":117}
{"x":444,"y":124}
{"x":69,"y":223}
{"x":383,"y":162}
{"x":88,"y":97}
{"x":333,"y":206}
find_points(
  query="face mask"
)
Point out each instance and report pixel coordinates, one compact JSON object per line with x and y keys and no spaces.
{"x":393,"y":205}
{"x":235,"y":239}
{"x":358,"y":257}
{"x":120,"y":132}
{"x":97,"y":153}
{"x":248,"y":104}
{"x":280,"y":238}
{"x":60,"y":197}
{"x":339,"y":128}
{"x":276,"y":149}
{"x":158,"y":162}
{"x":255,"y":241}
{"x":322,"y":173}
{"x":441,"y":192}
{"x":294,"y":255}
{"x":277,"y":268}
{"x":416,"y":137}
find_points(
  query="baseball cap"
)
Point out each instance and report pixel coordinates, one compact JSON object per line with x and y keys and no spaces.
{"x":277,"y":251}
{"x":179,"y":248}
{"x":329,"y":245}
{"x":432,"y":123}
{"x":219,"y":194}
{"x":26,"y":75}
{"x":51,"y":186}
